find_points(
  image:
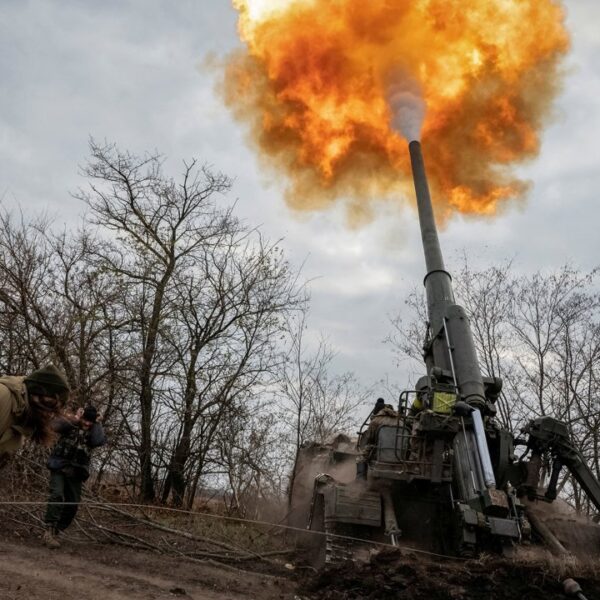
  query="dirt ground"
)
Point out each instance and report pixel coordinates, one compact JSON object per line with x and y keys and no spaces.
{"x":84,"y":570}
{"x":81,"y":570}
{"x":410,"y":577}
{"x":132,"y":552}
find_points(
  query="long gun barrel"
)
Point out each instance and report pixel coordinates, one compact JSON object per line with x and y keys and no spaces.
{"x":452,"y":348}
{"x":438,"y":282}
{"x":450,"y":351}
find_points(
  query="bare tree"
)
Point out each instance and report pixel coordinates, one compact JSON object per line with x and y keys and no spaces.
{"x":26,"y":273}
{"x":55,"y":304}
{"x":159,"y":227}
{"x":249,"y":454}
{"x":315,"y":403}
{"x":224,"y":333}
{"x":166,"y":312}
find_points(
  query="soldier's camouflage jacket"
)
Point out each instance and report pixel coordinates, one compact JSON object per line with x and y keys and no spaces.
{"x":13,"y":408}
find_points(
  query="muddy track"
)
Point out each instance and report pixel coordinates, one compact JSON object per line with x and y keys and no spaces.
{"x":82,"y":571}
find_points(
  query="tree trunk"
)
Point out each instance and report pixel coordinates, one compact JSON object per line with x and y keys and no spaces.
{"x":177,"y":468}
{"x":147,"y":482}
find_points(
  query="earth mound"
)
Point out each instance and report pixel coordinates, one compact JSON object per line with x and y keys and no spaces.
{"x":392,"y":576}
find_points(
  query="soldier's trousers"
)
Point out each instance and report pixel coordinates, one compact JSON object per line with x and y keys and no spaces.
{"x":62,"y":489}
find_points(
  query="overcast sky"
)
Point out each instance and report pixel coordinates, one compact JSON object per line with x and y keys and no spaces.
{"x":131,"y":71}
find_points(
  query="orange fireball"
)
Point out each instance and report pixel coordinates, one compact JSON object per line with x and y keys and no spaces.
{"x":314,"y":81}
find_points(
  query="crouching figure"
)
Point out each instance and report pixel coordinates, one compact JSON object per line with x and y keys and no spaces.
{"x":69,"y":465}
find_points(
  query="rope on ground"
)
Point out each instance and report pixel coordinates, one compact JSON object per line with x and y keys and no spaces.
{"x":227,"y":518}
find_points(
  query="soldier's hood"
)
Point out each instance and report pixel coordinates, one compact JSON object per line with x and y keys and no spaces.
{"x":18,"y":392}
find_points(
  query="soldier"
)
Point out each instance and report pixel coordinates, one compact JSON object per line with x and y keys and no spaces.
{"x":27,"y":407}
{"x":382,"y":414}
{"x":69,"y":465}
{"x":385,"y":415}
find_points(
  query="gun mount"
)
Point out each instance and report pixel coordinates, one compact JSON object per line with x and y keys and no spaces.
{"x":438,"y":472}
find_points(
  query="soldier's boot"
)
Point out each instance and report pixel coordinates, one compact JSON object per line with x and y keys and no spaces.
{"x":51,"y":538}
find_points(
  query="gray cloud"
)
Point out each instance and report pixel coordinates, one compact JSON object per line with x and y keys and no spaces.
{"x":131,"y":72}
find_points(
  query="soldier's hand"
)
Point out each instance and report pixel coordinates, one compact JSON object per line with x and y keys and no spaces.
{"x":67,"y":414}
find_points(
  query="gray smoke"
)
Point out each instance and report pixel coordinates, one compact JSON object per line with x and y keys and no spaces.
{"x":408,"y":112}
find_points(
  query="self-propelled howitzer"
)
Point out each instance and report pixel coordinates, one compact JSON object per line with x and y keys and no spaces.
{"x":437,"y":472}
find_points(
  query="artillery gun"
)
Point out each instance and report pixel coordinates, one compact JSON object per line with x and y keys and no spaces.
{"x":438,"y":472}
